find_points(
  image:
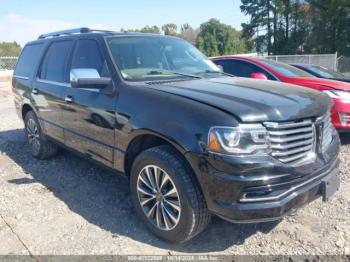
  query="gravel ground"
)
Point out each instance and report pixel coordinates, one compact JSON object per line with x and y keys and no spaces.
{"x":66,"y":205}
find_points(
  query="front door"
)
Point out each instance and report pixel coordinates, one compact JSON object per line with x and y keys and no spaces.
{"x":89,"y":115}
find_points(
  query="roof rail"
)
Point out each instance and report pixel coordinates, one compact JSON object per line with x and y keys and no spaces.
{"x":81,"y":30}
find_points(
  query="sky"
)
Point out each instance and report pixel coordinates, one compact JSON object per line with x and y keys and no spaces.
{"x":25,"y":20}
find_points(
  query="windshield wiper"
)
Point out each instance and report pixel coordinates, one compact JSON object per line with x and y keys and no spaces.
{"x":214,"y":72}
{"x":159,"y":72}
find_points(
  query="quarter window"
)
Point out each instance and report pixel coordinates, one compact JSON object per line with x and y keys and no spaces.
{"x":29,"y":57}
{"x":55,"y":62}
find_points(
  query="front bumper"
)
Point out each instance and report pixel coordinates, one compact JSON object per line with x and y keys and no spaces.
{"x":341,"y":115}
{"x":258,"y":189}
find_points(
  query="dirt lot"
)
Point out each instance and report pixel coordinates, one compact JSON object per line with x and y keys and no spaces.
{"x":69,"y":206}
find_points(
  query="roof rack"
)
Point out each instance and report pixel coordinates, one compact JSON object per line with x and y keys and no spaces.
{"x":81,"y":30}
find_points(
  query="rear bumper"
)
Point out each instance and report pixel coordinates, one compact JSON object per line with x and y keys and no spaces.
{"x":256,"y":189}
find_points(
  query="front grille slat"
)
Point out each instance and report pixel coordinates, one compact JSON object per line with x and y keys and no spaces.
{"x":290,"y":139}
{"x":291,"y":142}
{"x":292,"y":152}
{"x":291,"y":131}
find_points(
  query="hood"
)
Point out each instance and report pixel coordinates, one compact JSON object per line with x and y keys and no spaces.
{"x":319,"y":83}
{"x":251,"y":100}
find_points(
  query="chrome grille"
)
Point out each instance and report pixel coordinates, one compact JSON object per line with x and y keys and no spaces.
{"x":291,"y":142}
{"x":326,"y":131}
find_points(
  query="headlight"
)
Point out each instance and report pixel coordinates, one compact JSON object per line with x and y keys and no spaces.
{"x":338,"y":94}
{"x":244,"y":139}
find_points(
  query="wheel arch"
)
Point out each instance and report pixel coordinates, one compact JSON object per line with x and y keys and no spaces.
{"x":145,"y":139}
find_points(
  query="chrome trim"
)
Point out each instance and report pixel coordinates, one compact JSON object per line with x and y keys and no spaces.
{"x":287,"y":191}
{"x":21,"y":77}
{"x":53,"y":82}
{"x":292,"y":142}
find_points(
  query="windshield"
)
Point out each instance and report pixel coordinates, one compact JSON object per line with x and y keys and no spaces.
{"x":146,"y":58}
{"x":285,"y":70}
{"x":324,"y":72}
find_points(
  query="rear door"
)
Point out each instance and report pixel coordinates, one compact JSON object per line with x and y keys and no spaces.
{"x":49,"y":87}
{"x":89,"y":115}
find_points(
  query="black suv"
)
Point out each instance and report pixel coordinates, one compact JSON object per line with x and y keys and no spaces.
{"x":192,"y":140}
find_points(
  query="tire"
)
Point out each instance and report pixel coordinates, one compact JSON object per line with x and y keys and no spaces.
{"x":41,"y":148}
{"x":186,"y":205}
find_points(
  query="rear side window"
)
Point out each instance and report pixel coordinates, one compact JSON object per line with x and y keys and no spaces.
{"x":28,"y":60}
{"x":87,"y":55}
{"x":54,"y":66}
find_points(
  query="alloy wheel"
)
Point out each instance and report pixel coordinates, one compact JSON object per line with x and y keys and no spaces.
{"x":33,"y":135}
{"x":158,"y":197}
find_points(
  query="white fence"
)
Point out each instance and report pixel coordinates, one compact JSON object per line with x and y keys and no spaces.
{"x":327,"y":60}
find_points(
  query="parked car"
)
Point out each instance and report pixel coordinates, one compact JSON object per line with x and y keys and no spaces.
{"x":268,"y":69}
{"x":192,"y":141}
{"x":322,"y":72}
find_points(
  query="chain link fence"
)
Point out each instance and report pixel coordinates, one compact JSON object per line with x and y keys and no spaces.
{"x":344,"y":65}
{"x":8,"y":62}
{"x":325,"y":60}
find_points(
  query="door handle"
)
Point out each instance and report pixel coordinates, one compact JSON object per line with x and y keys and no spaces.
{"x":35,"y":91}
{"x":68,"y":99}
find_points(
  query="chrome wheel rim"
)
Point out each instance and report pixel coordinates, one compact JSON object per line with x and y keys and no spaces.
{"x":33,"y":135}
{"x":158,"y":197}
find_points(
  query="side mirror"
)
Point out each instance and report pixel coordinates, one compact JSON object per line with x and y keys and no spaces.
{"x":259,"y":75}
{"x":88,"y":78}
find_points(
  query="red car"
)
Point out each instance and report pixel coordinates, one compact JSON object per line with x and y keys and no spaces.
{"x":271,"y":70}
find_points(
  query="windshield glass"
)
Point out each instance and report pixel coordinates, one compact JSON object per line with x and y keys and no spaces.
{"x":146,"y":58}
{"x":325,"y":72}
{"x":286,"y":70}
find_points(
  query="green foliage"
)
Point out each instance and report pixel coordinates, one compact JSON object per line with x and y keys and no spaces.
{"x":216,"y":38}
{"x":170,"y":29}
{"x":9,"y":49}
{"x":298,"y":26}
{"x":147,"y":29}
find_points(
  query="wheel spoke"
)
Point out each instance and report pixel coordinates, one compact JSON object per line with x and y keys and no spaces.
{"x":147,"y":200}
{"x":164,"y":181}
{"x":156,"y":172}
{"x":143,"y":191}
{"x":167,"y":222}
{"x":146,"y":183}
{"x":170,"y":214}
{"x":172,"y":192}
{"x":173,"y":204}
{"x":150,"y":212}
{"x":159,"y":215}
{"x":150,"y":177}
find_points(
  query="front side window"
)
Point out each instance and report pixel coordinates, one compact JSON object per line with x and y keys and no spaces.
{"x":142,"y":58}
{"x":54,"y":64}
{"x":87,"y":55}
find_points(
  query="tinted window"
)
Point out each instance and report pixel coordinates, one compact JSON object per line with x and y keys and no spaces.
{"x":55,"y":62}
{"x":87,"y":55}
{"x":284,"y":69}
{"x":28,"y":59}
{"x":324,"y":72}
{"x":242,"y":68}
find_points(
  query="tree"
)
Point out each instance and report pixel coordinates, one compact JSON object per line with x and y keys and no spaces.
{"x":147,"y":29}
{"x":216,"y":38}
{"x":188,"y":33}
{"x":170,"y":29}
{"x":9,"y":49}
